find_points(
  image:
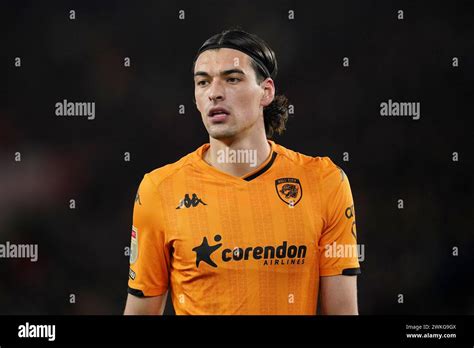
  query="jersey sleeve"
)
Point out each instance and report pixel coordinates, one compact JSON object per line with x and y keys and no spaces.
{"x":149,"y":250}
{"x":338,"y":240}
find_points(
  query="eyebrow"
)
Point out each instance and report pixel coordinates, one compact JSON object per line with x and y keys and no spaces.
{"x":223,"y":73}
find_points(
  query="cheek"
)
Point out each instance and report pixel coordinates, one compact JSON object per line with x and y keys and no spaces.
{"x":199,"y":101}
{"x":244,"y":95}
{"x":250,"y":102}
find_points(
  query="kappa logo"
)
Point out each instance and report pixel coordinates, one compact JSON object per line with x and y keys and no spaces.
{"x":187,"y":202}
{"x":289,"y":190}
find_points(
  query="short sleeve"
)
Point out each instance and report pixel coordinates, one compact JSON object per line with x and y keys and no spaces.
{"x":149,"y":251}
{"x":338,"y":241}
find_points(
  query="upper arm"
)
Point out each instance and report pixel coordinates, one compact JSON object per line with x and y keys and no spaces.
{"x":338,"y":243}
{"x":338,"y":295}
{"x":145,"y":305}
{"x":150,"y":252}
{"x":338,"y":261}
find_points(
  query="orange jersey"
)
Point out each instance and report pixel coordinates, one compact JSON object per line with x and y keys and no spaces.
{"x":242,"y":245}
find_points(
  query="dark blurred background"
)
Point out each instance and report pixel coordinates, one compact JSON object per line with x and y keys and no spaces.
{"x":336,"y":109}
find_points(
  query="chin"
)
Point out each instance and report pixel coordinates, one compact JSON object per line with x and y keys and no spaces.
{"x":222,"y":133}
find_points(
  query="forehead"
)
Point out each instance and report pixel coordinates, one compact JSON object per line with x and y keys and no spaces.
{"x":219,"y":59}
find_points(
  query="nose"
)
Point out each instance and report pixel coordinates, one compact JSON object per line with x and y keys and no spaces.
{"x":216,"y":91}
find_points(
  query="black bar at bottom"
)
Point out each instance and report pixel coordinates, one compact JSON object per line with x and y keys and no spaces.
{"x":136,"y":330}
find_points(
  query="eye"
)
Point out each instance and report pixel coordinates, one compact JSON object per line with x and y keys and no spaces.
{"x":201,"y":83}
{"x":233,"y":80}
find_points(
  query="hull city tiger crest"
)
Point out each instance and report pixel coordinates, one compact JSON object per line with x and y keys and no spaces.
{"x":289,"y":190}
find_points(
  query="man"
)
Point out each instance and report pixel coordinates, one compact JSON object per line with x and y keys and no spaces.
{"x":242,"y":225}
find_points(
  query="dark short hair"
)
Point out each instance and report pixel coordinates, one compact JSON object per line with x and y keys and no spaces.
{"x":264,"y":63}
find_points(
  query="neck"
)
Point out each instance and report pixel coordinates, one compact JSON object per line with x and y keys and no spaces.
{"x":238,"y":156}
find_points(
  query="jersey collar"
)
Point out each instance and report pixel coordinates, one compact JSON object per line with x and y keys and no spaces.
{"x":264,"y":166}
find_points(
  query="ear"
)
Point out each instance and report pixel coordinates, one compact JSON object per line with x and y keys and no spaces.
{"x":268,"y":92}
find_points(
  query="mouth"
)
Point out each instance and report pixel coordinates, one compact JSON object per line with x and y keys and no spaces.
{"x":218,"y":114}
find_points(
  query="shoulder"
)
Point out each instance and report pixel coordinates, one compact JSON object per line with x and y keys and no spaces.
{"x":323,"y":166}
{"x":157,"y":176}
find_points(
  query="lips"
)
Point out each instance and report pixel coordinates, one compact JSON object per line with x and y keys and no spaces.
{"x":218,"y":111}
{"x":218,"y":114}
